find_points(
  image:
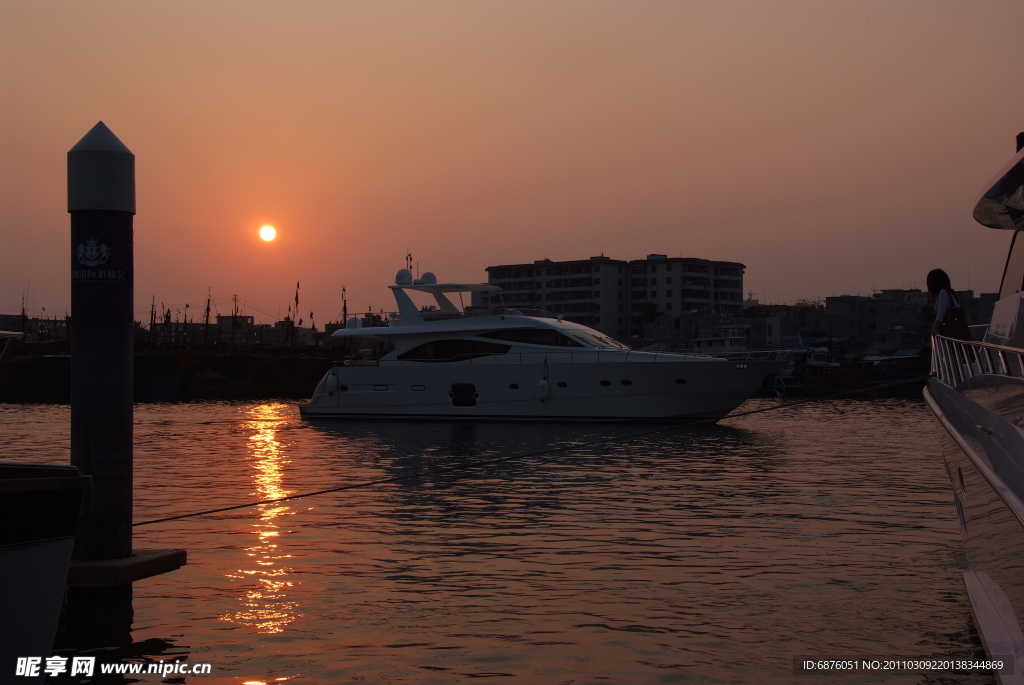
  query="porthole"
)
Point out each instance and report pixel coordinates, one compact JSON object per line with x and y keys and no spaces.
{"x":563,"y":384}
{"x":680,"y":381}
{"x":380,"y":388}
{"x":513,"y":386}
{"x":627,"y":382}
{"x":606,"y":383}
{"x":343,"y":388}
{"x":418,"y":388}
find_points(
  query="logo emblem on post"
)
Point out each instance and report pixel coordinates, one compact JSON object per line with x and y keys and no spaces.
{"x":91,"y":254}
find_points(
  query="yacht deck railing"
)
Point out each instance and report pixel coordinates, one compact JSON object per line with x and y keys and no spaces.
{"x":956,"y":361}
{"x":576,"y":357}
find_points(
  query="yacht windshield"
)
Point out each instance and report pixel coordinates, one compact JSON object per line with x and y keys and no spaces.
{"x":595,"y":339}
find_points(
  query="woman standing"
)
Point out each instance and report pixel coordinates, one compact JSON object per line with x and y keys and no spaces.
{"x":950,"y":320}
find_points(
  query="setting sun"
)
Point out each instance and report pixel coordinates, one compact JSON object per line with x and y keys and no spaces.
{"x":268,"y":233}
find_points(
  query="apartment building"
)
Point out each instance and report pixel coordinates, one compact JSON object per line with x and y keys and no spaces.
{"x":615,"y":296}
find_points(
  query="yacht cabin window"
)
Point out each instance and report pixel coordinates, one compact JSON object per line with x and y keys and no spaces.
{"x":452,"y":351}
{"x":1013,"y":274}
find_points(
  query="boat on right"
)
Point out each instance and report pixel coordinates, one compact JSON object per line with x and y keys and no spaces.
{"x":976,"y":391}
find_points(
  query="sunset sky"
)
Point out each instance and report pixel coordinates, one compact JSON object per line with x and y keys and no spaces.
{"x":832,"y":147}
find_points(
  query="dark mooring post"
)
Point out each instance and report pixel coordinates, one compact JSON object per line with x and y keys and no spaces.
{"x":101,"y":200}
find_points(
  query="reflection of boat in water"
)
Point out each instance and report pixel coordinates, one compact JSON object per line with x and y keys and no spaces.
{"x":512,"y":364}
{"x":977,"y":393}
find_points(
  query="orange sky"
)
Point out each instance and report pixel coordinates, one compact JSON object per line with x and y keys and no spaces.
{"x":831,"y":147}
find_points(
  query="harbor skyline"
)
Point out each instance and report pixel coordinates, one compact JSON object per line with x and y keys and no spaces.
{"x":789,"y":141}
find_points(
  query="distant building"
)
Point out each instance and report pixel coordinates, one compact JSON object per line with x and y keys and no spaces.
{"x":781,"y":325}
{"x":36,"y":329}
{"x":13,"y":322}
{"x":887,"y":319}
{"x":618,"y":297}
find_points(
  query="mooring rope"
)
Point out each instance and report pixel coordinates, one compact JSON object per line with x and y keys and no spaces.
{"x":526,"y":455}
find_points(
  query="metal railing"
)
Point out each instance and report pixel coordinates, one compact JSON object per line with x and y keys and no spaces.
{"x":590,"y":356}
{"x":956,"y":361}
{"x":579,"y":357}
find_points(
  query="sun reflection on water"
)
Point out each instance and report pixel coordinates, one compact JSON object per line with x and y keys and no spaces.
{"x":265,"y":600}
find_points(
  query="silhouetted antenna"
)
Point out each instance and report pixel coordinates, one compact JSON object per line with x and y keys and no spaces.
{"x":206,"y":318}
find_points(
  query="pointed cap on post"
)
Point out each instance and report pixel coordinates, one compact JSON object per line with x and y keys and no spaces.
{"x":101,"y":173}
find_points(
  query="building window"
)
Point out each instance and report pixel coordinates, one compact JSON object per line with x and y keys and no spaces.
{"x":668,"y":306}
{"x":654,"y":267}
{"x":597,"y":293}
{"x":654,"y":293}
{"x":597,"y":281}
{"x":654,"y":281}
{"x":668,"y":281}
{"x":668,"y":293}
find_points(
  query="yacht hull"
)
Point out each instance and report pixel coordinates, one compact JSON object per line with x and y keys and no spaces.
{"x":647,"y":387}
{"x":983,"y":454}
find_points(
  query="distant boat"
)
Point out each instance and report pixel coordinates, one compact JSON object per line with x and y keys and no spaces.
{"x":977,"y":394}
{"x":518,"y":364}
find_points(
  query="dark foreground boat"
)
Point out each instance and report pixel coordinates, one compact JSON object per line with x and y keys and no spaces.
{"x":977,"y":394}
{"x":39,"y":507}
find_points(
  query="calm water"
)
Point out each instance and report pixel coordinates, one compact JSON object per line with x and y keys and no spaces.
{"x":704,"y":554}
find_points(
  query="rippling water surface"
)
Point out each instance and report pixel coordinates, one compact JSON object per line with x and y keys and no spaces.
{"x":697,"y":554}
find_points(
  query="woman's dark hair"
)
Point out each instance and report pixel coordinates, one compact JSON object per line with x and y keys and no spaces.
{"x":938,"y":281}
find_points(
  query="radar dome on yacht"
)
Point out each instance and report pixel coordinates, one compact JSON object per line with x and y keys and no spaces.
{"x":429,"y":278}
{"x":355,"y":321}
{"x":403,"y":277}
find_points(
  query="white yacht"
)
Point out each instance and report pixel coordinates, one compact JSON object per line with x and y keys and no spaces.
{"x":440,"y":362}
{"x":977,"y":393}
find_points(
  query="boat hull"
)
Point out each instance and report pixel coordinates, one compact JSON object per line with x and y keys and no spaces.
{"x":983,"y":454}
{"x":500,"y":388}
